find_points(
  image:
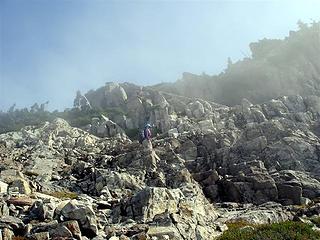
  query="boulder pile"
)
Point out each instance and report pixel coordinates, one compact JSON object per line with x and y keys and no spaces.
{"x":210,"y":165}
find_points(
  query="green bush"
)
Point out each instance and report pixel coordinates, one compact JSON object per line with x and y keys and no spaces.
{"x":63,"y":194}
{"x":277,"y":231}
{"x":19,"y":118}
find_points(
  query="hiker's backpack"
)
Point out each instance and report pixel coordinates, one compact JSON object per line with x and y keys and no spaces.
{"x":141,"y":136}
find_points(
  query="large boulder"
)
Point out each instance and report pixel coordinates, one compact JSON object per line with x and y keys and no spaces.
{"x":83,"y":213}
{"x":148,"y":203}
{"x":3,"y":187}
{"x":195,"y":109}
{"x":106,"y":128}
{"x":111,"y":95}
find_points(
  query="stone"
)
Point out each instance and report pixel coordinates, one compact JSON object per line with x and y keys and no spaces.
{"x":84,"y":214}
{"x":74,"y":228}
{"x":3,"y":187}
{"x":60,"y":231}
{"x":206,"y":126}
{"x":163,"y":232}
{"x":211,"y":191}
{"x":7,"y":234}
{"x":195,"y":109}
{"x":9,"y":175}
{"x":81,"y":102}
{"x":40,"y":236}
{"x":21,"y":201}
{"x":4,"y":209}
{"x":15,"y":223}
{"x":173,"y":133}
{"x":114,"y":238}
{"x":106,"y":128}
{"x":143,"y":207}
{"x":42,"y":211}
{"x":44,"y":226}
{"x":293,"y":193}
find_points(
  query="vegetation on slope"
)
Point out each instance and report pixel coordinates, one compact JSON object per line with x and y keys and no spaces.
{"x":277,"y":231}
{"x":16,"y":119}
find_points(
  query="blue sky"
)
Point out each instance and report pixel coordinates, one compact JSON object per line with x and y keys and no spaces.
{"x":51,"y":48}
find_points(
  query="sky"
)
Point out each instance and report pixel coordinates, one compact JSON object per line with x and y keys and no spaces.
{"x":49,"y":49}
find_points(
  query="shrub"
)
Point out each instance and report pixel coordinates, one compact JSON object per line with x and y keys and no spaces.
{"x":277,"y":231}
{"x":63,"y":194}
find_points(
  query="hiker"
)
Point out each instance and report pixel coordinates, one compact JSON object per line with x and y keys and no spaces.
{"x":145,"y":137}
{"x":151,"y":158}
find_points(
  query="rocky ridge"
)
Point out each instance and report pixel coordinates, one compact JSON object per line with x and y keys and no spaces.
{"x":210,"y":164}
{"x":272,"y":68}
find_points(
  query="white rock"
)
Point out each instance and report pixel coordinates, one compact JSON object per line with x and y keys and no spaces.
{"x":3,"y":187}
{"x":173,"y":132}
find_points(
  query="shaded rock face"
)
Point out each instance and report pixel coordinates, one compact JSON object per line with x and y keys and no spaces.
{"x":274,"y":157}
{"x":216,"y":164}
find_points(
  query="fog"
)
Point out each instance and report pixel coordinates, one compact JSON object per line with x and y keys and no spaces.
{"x":50,"y":49}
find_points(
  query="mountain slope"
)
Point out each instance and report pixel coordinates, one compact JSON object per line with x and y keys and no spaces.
{"x":277,"y":67}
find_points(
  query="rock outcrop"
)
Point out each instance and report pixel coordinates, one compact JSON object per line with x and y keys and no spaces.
{"x":210,"y":164}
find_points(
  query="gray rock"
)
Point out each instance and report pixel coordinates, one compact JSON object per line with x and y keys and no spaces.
{"x":195,"y":109}
{"x":142,"y":206}
{"x":3,"y":187}
{"x":84,"y":214}
{"x":4,"y":210}
{"x":15,"y":223}
{"x":22,"y":185}
{"x":40,"y":236}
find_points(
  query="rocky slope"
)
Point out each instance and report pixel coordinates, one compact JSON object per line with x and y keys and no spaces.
{"x":210,"y":164}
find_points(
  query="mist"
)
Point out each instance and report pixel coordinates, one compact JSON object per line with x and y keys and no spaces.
{"x":51,"y":49}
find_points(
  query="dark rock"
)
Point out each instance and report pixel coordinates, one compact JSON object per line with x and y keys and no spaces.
{"x":293,"y":193}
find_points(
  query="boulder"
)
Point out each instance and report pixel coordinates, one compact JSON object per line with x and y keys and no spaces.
{"x":206,"y":126}
{"x":84,"y":214}
{"x":40,"y":236}
{"x":195,"y":110}
{"x":111,"y":95}
{"x":3,"y":187}
{"x":42,"y":210}
{"x":7,"y":234}
{"x":22,"y":185}
{"x":106,"y":128}
{"x":173,"y":133}
{"x":11,"y":222}
{"x":149,"y":202}
{"x":274,"y":108}
{"x":164,"y":233}
{"x":251,"y":183}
